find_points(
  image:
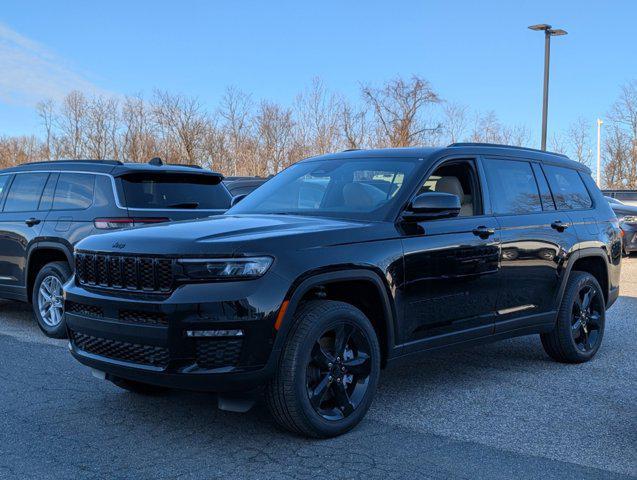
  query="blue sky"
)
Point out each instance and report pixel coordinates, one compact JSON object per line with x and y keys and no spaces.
{"x":478,"y":53}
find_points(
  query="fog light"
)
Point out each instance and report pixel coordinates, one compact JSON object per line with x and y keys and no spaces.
{"x":214,"y":333}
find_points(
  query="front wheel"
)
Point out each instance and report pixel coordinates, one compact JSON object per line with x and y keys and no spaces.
{"x":580,"y":322}
{"x":328,"y":372}
{"x":47,"y":299}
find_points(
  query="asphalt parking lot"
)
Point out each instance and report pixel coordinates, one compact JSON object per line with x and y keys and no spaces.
{"x":500,"y":411}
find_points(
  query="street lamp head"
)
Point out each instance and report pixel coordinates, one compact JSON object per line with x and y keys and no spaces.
{"x":557,"y":33}
{"x":540,"y":26}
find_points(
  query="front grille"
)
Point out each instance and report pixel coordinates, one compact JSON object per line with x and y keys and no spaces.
{"x":123,"y":272}
{"x":123,"y":351}
{"x":143,"y":318}
{"x":218,"y":353}
{"x":85,"y":310}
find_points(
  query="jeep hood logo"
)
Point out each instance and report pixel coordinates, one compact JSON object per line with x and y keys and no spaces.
{"x":119,"y":245}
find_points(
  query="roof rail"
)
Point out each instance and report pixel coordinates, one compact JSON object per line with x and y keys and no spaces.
{"x":351,"y":149}
{"x":99,"y":162}
{"x":479,"y":144}
{"x":189,"y":165}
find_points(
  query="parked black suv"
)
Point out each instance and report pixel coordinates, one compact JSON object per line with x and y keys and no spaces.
{"x":346,"y":262}
{"x":47,"y":207}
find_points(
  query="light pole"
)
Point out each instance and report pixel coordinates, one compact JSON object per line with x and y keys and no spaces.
{"x":599,"y":152}
{"x":548,"y":33}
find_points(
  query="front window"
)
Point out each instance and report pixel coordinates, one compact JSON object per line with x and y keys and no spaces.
{"x":348,"y":188}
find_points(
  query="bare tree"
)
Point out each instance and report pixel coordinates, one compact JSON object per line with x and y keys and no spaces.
{"x":317,"y":118}
{"x":46,"y":112}
{"x":399,"y":110}
{"x":621,"y":140}
{"x":70,"y":122}
{"x":455,"y":121}
{"x":100,"y":127}
{"x":140,"y":139}
{"x":236,"y":112}
{"x":579,"y":139}
{"x":183,"y":125}
{"x":355,"y":126}
{"x":274,"y":127}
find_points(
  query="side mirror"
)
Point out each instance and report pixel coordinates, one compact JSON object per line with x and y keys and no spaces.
{"x":237,"y":199}
{"x":432,"y":205}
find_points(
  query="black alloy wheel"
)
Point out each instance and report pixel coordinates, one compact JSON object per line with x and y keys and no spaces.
{"x":586,"y":318}
{"x":339,"y":371}
{"x":328,"y":371}
{"x":579,"y":326}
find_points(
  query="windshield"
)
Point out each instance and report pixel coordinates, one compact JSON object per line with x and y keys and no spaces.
{"x":174,"y":191}
{"x":348,"y":188}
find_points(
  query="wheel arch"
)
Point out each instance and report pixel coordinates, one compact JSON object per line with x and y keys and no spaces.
{"x":589,"y":260}
{"x":41,"y":254}
{"x":331,"y":286}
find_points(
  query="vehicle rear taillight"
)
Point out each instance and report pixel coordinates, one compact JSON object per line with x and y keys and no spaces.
{"x":123,"y":222}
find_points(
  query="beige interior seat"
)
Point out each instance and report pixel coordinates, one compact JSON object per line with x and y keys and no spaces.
{"x":452,"y":185}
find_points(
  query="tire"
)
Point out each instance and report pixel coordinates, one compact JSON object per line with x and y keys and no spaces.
{"x":576,"y":338}
{"x":48,"y":283}
{"x":137,"y":387}
{"x":348,"y":380}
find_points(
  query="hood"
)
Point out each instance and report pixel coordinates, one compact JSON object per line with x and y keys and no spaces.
{"x":235,"y":234}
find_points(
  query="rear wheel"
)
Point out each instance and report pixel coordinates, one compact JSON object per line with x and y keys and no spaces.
{"x":47,"y":298}
{"x":328,"y":371}
{"x":580,"y":323}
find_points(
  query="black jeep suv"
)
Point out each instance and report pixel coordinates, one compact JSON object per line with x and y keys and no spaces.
{"x":47,"y":207}
{"x":346,"y":262}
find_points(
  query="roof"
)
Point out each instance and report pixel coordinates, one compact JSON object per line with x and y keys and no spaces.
{"x":113,"y":167}
{"x":459,"y":149}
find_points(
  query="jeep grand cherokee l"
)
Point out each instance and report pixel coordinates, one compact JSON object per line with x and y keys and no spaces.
{"x":344,"y":263}
{"x":47,"y":207}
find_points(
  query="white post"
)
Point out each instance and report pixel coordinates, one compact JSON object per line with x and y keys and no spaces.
{"x":599,"y":153}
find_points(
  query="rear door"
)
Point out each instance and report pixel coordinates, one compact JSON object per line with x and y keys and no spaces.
{"x":20,"y":224}
{"x":536,"y":242}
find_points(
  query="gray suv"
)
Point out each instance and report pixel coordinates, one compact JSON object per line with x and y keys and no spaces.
{"x":47,"y":207}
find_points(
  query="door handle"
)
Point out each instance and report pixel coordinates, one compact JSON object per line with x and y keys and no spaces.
{"x":32,"y":221}
{"x":559,"y":225}
{"x":483,"y":232}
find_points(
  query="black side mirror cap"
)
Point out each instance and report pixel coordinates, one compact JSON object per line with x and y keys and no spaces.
{"x":432,"y":205}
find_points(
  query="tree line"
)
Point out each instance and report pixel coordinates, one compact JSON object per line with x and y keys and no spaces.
{"x":243,"y":136}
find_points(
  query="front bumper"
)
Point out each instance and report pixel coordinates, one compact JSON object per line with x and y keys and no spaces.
{"x":145,"y":338}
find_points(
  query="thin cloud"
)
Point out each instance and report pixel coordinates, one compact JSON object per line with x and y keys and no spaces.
{"x":30,"y":72}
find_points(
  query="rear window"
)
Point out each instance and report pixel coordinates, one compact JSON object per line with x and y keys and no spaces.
{"x":568,"y":188}
{"x":174,"y":191}
{"x":74,"y":191}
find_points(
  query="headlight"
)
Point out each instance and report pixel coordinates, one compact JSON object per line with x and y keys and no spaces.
{"x":226,"y":268}
{"x":629,"y":219}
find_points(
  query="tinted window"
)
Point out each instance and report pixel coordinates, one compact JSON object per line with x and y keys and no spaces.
{"x":47,"y":196}
{"x":179,"y":191}
{"x":545,"y":191}
{"x":74,"y":191}
{"x":512,"y":187}
{"x":4,"y":183}
{"x":25,"y":192}
{"x":568,"y":188}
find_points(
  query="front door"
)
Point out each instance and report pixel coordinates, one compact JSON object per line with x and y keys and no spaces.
{"x":451,"y":266}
